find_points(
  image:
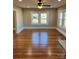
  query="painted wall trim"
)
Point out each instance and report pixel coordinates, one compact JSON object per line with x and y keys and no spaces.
{"x":63,"y":43}
{"x":62,"y":32}
{"x":20,"y":30}
{"x":39,"y":27}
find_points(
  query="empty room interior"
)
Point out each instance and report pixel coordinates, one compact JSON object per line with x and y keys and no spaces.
{"x":39,"y":29}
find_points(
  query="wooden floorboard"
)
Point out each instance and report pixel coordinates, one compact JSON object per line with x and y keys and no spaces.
{"x":23,"y":47}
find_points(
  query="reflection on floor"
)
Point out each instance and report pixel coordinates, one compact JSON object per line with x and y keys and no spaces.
{"x":39,"y":39}
{"x":37,"y":44}
{"x":35,"y":39}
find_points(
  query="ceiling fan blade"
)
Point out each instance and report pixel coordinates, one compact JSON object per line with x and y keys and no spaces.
{"x":47,"y":5}
{"x":42,"y":4}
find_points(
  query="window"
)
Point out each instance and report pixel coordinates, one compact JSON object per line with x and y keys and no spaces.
{"x":43,"y":18}
{"x":60,"y":18}
{"x":39,"y":18}
{"x":64,"y":19}
{"x":35,"y":18}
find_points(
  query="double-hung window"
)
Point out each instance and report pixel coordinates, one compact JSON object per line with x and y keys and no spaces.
{"x":35,"y":18}
{"x":60,"y":18}
{"x":43,"y":18}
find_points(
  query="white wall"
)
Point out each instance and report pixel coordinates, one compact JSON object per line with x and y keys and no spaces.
{"x":19,"y":19}
{"x":52,"y":17}
{"x":61,"y":28}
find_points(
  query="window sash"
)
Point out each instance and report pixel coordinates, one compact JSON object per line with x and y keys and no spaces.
{"x":43,"y":18}
{"x":35,"y":18}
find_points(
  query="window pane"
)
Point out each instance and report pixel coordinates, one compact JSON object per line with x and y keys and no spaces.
{"x":43,"y":21}
{"x":44,"y":15}
{"x":35,"y":21}
{"x":64,"y":19}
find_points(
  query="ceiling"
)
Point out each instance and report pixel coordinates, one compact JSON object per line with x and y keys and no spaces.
{"x":33,"y":3}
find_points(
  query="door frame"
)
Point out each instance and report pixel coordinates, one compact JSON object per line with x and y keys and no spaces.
{"x":14,"y":10}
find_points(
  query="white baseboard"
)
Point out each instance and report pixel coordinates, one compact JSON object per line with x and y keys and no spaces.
{"x":62,"y":32}
{"x":20,"y":30}
{"x":63,"y":43}
{"x":34,"y":28}
{"x":39,"y":27}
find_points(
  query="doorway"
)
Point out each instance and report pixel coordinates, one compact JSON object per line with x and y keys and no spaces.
{"x":14,"y":20}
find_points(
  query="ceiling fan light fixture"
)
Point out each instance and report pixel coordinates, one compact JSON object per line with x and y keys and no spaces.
{"x":40,"y":7}
{"x":19,"y":0}
{"x":59,"y":0}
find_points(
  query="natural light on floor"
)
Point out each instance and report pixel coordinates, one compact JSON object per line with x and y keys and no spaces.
{"x":39,"y":38}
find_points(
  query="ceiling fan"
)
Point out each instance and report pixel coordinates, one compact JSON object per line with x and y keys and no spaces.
{"x":41,"y":4}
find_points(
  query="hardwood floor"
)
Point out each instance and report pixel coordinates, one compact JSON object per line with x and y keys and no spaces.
{"x":43,"y":46}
